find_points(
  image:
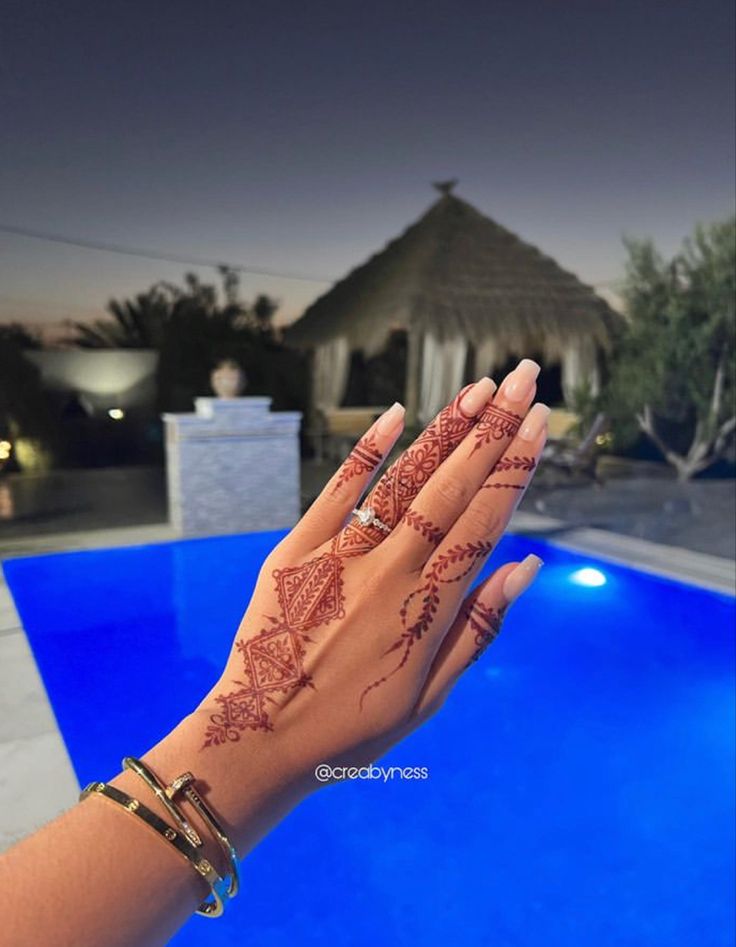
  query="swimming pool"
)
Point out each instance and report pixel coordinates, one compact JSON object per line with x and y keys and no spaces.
{"x":581,"y":777}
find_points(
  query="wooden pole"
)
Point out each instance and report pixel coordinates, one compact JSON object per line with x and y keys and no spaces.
{"x":413,"y":375}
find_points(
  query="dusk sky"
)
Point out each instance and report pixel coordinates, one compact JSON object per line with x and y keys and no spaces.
{"x":300,"y":137}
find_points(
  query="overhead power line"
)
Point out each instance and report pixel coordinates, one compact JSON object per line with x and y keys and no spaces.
{"x":12,"y":230}
{"x":147,"y":254}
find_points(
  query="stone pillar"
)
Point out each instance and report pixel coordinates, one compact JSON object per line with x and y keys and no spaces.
{"x":232,"y":466}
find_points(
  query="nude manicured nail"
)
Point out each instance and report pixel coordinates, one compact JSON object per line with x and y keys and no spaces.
{"x":534,"y":423}
{"x":477,"y":397}
{"x":519,"y":580}
{"x":391,"y":418}
{"x":520,"y":383}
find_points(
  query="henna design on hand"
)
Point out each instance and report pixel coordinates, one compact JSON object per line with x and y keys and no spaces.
{"x":495,"y":424}
{"x":485,"y":621}
{"x":364,"y":458}
{"x":309,"y":596}
{"x":420,"y":606}
{"x":425,"y":527}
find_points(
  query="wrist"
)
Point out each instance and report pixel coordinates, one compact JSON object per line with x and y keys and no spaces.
{"x":244,"y":783}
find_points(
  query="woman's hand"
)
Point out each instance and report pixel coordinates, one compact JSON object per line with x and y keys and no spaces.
{"x":358,"y":630}
{"x":356,"y":633}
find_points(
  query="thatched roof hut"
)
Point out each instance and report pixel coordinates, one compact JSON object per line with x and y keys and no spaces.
{"x":460,"y":285}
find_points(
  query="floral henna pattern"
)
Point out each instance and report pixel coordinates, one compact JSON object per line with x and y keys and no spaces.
{"x":424,"y":526}
{"x":309,"y":596}
{"x":406,"y":476}
{"x":364,"y":458}
{"x":495,"y":424}
{"x":485,"y":622}
{"x":421,"y":606}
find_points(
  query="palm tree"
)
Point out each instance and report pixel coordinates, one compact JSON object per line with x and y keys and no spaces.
{"x":137,"y":323}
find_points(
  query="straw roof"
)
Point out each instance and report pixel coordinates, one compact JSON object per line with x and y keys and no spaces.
{"x":456,"y":272}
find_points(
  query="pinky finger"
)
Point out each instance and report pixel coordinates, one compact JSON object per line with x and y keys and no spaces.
{"x":476,"y":626}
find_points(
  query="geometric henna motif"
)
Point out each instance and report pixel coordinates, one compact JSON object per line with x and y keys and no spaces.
{"x":311,"y":594}
{"x":273,"y":660}
{"x":421,"y":606}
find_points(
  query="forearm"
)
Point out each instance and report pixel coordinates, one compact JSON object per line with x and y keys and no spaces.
{"x":98,"y":876}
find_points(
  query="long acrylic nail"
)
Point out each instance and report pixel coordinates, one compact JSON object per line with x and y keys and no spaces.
{"x":391,"y":418}
{"x":477,"y":397}
{"x":520,"y":383}
{"x":519,"y":580}
{"x":534,"y":423}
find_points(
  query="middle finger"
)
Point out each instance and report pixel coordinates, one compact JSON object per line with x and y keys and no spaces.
{"x":446,"y":495}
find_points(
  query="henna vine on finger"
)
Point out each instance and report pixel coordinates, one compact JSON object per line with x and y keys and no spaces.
{"x":495,"y":424}
{"x":420,"y":607}
{"x":423,"y":526}
{"x":525,"y":464}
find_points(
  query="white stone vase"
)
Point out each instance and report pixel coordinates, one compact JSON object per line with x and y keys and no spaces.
{"x":227,"y":379}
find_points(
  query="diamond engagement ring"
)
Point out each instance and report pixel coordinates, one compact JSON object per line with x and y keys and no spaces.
{"x":367,"y":517}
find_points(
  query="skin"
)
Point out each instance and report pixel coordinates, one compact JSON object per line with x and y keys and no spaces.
{"x":353,"y":638}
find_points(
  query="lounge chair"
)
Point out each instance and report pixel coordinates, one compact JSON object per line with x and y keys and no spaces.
{"x":577,"y":457}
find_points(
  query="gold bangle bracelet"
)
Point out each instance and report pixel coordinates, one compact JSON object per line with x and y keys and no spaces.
{"x":184,"y":785}
{"x":178,"y":842}
{"x":159,"y":790}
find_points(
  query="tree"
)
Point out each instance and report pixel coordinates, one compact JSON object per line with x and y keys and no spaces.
{"x":142,"y":322}
{"x":24,"y":409}
{"x":136,"y":323}
{"x":193,"y":327}
{"x":263,"y":310}
{"x":673,"y":372}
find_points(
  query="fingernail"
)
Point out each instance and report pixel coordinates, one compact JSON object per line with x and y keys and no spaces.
{"x":477,"y":397}
{"x":519,"y":580}
{"x":520,"y":383}
{"x":534,"y":423}
{"x":391,"y":418}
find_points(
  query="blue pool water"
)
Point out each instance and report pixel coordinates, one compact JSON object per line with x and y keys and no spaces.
{"x":581,"y":777}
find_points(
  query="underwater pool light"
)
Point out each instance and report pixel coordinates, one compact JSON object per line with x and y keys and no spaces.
{"x":589,"y":577}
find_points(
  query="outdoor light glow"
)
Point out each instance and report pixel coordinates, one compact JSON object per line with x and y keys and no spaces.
{"x":117,"y":414}
{"x":5,"y":448}
{"x":591,"y":578}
